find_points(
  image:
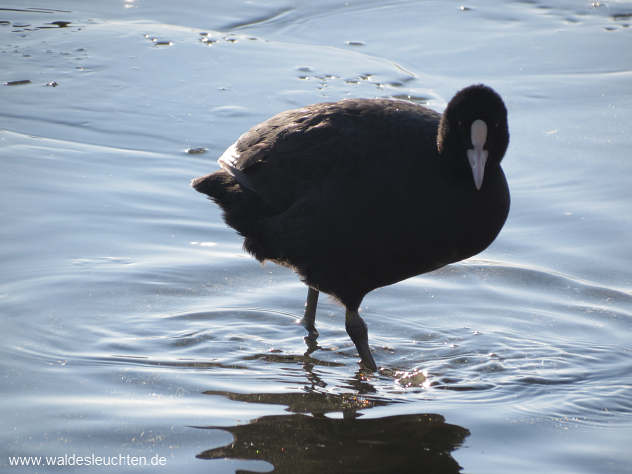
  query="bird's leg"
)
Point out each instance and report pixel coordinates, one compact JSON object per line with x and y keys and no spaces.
{"x":310,"y":313}
{"x":357,"y":330}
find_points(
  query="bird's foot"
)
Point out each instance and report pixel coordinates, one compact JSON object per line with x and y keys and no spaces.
{"x":367,"y":360}
{"x":311,"y":338}
{"x":359,"y":334}
{"x":312,"y":332}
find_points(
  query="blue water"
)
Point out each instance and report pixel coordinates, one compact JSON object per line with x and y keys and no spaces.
{"x":134,"y":325}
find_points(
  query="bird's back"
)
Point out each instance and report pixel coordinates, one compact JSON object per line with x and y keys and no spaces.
{"x":292,"y":153}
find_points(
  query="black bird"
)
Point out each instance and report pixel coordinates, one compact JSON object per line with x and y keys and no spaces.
{"x":362,"y":193}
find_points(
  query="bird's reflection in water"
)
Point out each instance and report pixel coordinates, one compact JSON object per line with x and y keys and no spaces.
{"x":299,"y":443}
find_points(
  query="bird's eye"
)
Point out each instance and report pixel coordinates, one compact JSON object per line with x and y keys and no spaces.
{"x":497,"y":124}
{"x":460,"y":123}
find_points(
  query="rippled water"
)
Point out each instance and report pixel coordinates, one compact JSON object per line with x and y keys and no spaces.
{"x":134,"y":324}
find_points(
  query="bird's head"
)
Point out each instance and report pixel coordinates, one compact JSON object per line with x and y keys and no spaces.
{"x":473,"y":132}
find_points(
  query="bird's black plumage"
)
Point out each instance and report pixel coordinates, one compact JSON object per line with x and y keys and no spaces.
{"x":363,"y":193}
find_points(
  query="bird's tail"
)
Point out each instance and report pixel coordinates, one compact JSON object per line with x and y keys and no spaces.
{"x":243,"y":209}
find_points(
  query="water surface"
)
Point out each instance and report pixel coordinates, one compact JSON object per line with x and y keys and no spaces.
{"x":135,"y":325}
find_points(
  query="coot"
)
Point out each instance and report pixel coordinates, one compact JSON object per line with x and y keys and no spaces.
{"x":362,"y":193}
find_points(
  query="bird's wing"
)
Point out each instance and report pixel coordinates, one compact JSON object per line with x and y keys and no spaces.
{"x":289,"y":154}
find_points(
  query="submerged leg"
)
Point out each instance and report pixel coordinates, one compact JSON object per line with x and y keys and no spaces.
{"x":310,"y":313}
{"x":357,"y":330}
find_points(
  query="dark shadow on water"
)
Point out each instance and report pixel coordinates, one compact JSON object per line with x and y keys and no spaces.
{"x":300,"y":444}
{"x":316,"y":403}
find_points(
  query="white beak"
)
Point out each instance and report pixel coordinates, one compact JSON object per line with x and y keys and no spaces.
{"x":477,"y":156}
